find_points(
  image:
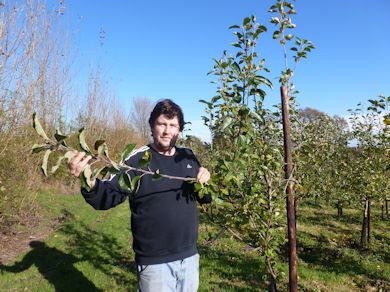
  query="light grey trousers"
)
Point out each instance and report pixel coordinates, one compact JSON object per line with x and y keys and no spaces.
{"x":177,"y":276}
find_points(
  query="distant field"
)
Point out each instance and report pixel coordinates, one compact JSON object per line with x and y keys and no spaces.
{"x":91,"y":251}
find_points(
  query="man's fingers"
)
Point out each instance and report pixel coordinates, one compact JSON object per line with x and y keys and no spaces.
{"x":80,"y":167}
{"x":75,"y":159}
{"x":203,"y":175}
{"x":77,"y":163}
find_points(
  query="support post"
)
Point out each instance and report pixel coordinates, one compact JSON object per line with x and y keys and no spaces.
{"x":290,"y":199}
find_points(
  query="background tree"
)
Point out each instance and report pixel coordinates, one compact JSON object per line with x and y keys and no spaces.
{"x":36,"y":75}
{"x":140,"y":112}
{"x":371,"y":134}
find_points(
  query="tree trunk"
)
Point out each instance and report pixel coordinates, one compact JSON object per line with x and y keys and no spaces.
{"x":363,"y":238}
{"x":368,"y":222}
{"x":272,"y":284}
{"x":383,"y":210}
{"x":387,"y":208}
{"x":339,"y":210}
{"x":290,"y":199}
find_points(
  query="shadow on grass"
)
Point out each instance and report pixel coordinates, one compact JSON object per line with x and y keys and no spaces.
{"x":101,"y":250}
{"x":336,"y":260}
{"x":55,"y":266}
{"x":82,"y":244}
{"x":236,"y":271}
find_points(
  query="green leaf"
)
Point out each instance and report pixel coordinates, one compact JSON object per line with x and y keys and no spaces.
{"x":114,"y":165}
{"x":145,"y":159}
{"x":113,"y":170}
{"x":237,"y":98}
{"x":224,"y":192}
{"x":85,"y":178}
{"x":275,"y":20}
{"x":211,"y":71}
{"x":98,"y":143}
{"x":59,"y":136}
{"x":156,"y":175}
{"x":38,"y":148}
{"x":289,"y":5}
{"x":69,"y":155}
{"x":125,"y":181}
{"x":262,"y":28}
{"x":233,"y":26}
{"x":38,"y":127}
{"x":135,"y":183}
{"x":44,"y":162}
{"x":264,"y":80}
{"x":126,"y":152}
{"x":197,"y":187}
{"x":226,"y":123}
{"x":236,"y":68}
{"x":248,"y":27}
{"x":246,"y":21}
{"x":258,"y":92}
{"x":57,"y":165}
{"x":83,"y":144}
{"x":100,"y":171}
{"x":201,"y":193}
{"x":276,"y":35}
{"x":209,"y":104}
{"x":216,"y":98}
{"x":243,"y":111}
{"x":103,"y":150}
{"x":104,"y":171}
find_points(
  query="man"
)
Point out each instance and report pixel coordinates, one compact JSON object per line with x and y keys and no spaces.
{"x":164,"y":216}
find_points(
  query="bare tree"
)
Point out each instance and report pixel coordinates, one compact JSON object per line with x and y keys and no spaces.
{"x":34,"y":76}
{"x":140,"y":112}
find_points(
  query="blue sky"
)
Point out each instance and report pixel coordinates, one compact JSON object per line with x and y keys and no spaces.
{"x":164,"y":49}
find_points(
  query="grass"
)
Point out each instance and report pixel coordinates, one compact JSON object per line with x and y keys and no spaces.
{"x":91,"y":251}
{"x":330,"y":258}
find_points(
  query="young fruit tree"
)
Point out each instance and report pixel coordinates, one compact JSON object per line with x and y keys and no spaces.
{"x":371,"y":132}
{"x":247,"y":142}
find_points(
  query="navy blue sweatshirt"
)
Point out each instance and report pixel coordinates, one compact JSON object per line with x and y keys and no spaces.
{"x":164,"y":215}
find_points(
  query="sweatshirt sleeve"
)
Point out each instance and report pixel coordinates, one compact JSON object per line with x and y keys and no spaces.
{"x":105,"y":194}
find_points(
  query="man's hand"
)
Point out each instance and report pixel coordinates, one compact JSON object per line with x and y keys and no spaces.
{"x":203,"y":175}
{"x":78,"y":162}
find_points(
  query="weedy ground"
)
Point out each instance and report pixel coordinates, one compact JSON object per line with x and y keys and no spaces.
{"x":75,"y":248}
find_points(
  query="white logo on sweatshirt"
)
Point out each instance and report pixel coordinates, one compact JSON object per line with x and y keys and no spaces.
{"x":189,"y":166}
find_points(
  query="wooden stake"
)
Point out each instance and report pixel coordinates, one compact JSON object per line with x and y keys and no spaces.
{"x":290,"y":200}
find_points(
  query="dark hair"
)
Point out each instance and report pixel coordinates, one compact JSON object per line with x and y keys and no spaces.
{"x":168,"y":108}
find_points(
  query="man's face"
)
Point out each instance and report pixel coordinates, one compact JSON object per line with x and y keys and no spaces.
{"x":165,"y":132}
